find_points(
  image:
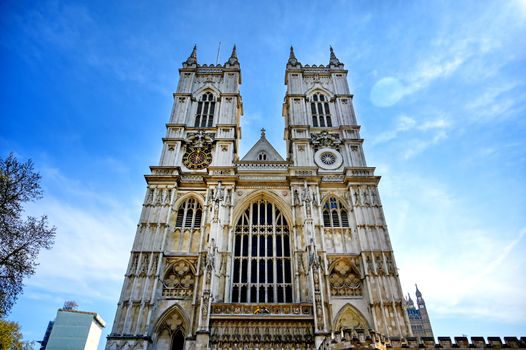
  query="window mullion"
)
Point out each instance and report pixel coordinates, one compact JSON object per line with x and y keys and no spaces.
{"x":249,"y":255}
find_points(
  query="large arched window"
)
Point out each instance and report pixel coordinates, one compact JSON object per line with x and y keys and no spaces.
{"x":321,"y":115}
{"x":189,"y":214}
{"x":205,"y":111}
{"x":262,"y":268}
{"x":334,"y":214}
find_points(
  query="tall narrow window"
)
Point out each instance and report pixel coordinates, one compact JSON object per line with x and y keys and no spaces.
{"x":321,"y":115}
{"x":205,"y":111}
{"x":189,"y":214}
{"x":334,"y":214}
{"x":262,"y":268}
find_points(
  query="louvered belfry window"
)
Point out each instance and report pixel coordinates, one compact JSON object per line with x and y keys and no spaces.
{"x":334,"y":214}
{"x":262,"y":267}
{"x":321,"y":115}
{"x":189,"y":214}
{"x":205,"y":111}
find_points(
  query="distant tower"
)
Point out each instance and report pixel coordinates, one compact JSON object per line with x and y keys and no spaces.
{"x":418,"y":316}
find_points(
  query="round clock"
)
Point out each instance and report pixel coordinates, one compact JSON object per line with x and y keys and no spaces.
{"x":197,"y":159}
{"x":328,"y":158}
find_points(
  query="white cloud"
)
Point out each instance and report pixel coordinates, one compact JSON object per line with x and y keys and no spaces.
{"x":88,"y":259}
{"x":463,"y":262}
{"x":416,"y":134}
{"x":415,"y":147}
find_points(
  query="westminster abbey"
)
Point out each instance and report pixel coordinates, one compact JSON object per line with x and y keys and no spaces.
{"x":256,"y":251}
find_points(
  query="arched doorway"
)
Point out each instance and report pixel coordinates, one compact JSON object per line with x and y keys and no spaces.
{"x":177,"y":340}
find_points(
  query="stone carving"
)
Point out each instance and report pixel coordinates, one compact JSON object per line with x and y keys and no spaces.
{"x":135,"y":262}
{"x":379,"y":265}
{"x":357,"y":198}
{"x":370,"y":268}
{"x":273,"y":309}
{"x":205,"y":306}
{"x":144,"y":265}
{"x":324,"y":140}
{"x":390,"y":266}
{"x":350,"y":318}
{"x":173,"y":323}
{"x":319,"y":311}
{"x":237,"y":334}
{"x":179,"y":279}
{"x":149,"y":199}
{"x":344,"y":278}
{"x":153,"y":269}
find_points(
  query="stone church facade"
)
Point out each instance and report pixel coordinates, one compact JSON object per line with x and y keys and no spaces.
{"x":257,"y":251}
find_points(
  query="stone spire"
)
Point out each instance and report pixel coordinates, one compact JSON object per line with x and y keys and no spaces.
{"x":418,"y":293}
{"x":334,"y":61}
{"x":192,"y":59}
{"x":232,"y":61}
{"x":409,"y":302}
{"x":292,"y":58}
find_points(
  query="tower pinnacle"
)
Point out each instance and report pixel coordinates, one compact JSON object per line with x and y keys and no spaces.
{"x":418,"y":293}
{"x":192,"y":59}
{"x":334,"y":61}
{"x":233,"y":57}
{"x":292,"y":58}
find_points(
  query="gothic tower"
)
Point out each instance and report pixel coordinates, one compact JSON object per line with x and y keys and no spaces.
{"x":259,"y":251}
{"x":344,"y":221}
{"x":418,"y":316}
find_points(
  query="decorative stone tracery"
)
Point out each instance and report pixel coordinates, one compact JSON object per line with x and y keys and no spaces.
{"x":325,"y":140}
{"x":179,"y":279}
{"x":344,"y":278}
{"x":350,"y":318}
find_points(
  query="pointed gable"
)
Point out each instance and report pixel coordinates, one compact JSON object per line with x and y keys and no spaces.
{"x":262,"y":151}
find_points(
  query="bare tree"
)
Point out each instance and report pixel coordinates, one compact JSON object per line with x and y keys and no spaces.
{"x":20,"y":238}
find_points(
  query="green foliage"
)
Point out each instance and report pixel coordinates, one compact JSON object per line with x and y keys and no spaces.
{"x":21,"y":238}
{"x":10,"y":336}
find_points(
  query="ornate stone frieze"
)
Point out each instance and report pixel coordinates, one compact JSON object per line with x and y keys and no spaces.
{"x":239,"y":334}
{"x":262,"y":309}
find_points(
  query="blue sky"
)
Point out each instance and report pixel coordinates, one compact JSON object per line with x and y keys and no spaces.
{"x":440,"y":92}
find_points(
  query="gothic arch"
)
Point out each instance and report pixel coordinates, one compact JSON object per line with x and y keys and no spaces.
{"x":241,"y":206}
{"x":172,"y":321}
{"x":262,"y":251}
{"x":186,"y":236}
{"x":317,"y":88}
{"x":186,"y":196}
{"x":348,"y":318}
{"x":207,"y":88}
{"x":325,"y":197}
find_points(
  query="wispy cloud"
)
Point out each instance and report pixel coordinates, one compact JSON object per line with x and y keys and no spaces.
{"x":460,"y":264}
{"x":87,"y":260}
{"x":416,"y":136}
{"x":496,"y":102}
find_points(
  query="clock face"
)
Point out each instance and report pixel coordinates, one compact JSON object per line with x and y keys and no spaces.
{"x":197,"y":159}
